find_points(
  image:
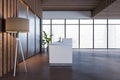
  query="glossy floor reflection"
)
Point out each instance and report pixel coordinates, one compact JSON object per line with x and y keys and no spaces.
{"x":88,"y":64}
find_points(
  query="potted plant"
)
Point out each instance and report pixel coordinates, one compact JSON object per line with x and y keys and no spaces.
{"x":46,"y":40}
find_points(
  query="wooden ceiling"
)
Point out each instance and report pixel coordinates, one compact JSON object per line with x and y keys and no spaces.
{"x":98,"y":8}
{"x":112,"y":11}
{"x":69,"y":5}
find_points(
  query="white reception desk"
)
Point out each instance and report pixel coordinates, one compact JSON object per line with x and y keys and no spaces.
{"x":60,"y":53}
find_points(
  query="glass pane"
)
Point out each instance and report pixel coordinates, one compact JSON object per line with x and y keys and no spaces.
{"x":100,"y":21}
{"x":114,"y":36}
{"x":86,"y":36}
{"x":86,"y":21}
{"x":57,"y":32}
{"x":72,"y":21}
{"x":38,"y":34}
{"x":72,"y":32}
{"x":22,"y":10}
{"x":31,"y":37}
{"x":114,"y":21}
{"x":46,"y":21}
{"x":46,"y":28}
{"x":100,"y":36}
{"x":58,"y":21}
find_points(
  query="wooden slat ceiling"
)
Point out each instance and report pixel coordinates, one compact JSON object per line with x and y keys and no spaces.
{"x":71,"y":5}
{"x":99,"y":8}
{"x":112,"y":11}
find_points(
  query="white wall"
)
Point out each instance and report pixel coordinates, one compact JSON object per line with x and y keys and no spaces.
{"x":66,"y":14}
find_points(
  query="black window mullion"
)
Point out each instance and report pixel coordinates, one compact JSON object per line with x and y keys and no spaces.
{"x":107,"y":35}
{"x":65,"y":28}
{"x":93,"y":34}
{"x":79,"y":33}
{"x":51,"y":29}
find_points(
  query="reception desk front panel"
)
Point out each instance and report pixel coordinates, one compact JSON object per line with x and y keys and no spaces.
{"x":60,"y":53}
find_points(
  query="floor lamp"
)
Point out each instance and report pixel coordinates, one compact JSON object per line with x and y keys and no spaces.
{"x":16,"y":25}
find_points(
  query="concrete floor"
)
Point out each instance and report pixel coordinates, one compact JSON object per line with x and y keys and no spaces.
{"x":88,"y":64}
{"x":96,"y":64}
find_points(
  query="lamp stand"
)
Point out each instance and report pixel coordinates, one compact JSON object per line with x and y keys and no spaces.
{"x":18,"y":42}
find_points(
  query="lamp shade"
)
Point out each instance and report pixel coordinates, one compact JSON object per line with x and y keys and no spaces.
{"x":17,"y":25}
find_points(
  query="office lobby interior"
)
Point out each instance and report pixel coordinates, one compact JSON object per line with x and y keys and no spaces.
{"x":59,"y":39}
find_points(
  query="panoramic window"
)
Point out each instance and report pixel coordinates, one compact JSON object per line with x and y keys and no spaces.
{"x":86,"y":36}
{"x":58,"y":21}
{"x":114,"y":33}
{"x":86,"y":33}
{"x":46,"y":21}
{"x":86,"y":21}
{"x":72,"y":32}
{"x":46,"y":28}
{"x":83,"y":31}
{"x":114,"y":21}
{"x":57,"y":32}
{"x":100,"y":36}
{"x":72,"y":21}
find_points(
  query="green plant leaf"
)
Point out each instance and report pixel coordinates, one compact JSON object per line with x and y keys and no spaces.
{"x":46,"y":39}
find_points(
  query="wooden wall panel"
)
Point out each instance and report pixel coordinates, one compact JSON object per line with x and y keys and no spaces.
{"x":11,"y":36}
{"x":7,"y":42}
{"x":14,"y":8}
{"x":8,"y":8}
{"x":14,"y":40}
{"x":0,"y":15}
{"x":8,"y":35}
{"x":0,"y":55}
{"x":8,"y":51}
{"x":0,"y":38}
{"x":0,"y":8}
{"x":36,"y":6}
{"x":11,"y":10}
{"x":11,"y":50}
{"x":8,"y":39}
{"x":5,"y":9}
{"x":0,"y":25}
{"x":39,"y":8}
{"x":13,"y":14}
{"x":5,"y":54}
{"x":31,"y":4}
